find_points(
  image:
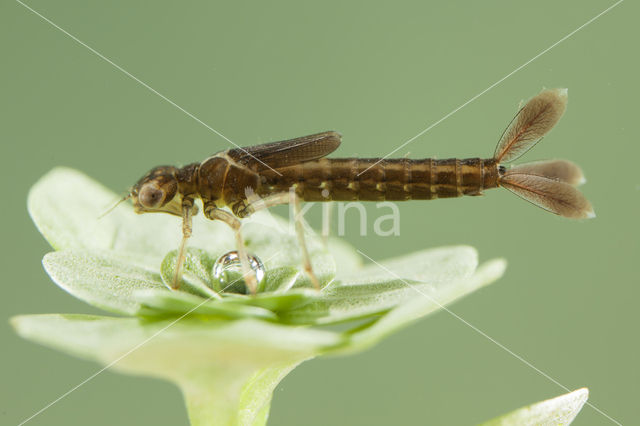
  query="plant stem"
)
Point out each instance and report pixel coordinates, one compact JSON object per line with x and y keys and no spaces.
{"x":240,"y":399}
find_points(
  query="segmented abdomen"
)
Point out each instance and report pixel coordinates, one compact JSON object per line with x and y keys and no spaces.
{"x":347,"y":179}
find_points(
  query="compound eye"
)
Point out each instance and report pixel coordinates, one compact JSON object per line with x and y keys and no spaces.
{"x":150,"y":196}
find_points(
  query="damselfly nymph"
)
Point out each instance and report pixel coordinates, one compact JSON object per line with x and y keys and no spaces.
{"x":297,"y":170}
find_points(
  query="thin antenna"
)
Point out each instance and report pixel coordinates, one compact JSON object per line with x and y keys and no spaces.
{"x":110,"y":209}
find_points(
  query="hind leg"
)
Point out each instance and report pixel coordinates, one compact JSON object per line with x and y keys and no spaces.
{"x":327,"y":213}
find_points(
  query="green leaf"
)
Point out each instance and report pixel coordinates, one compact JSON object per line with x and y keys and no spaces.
{"x":109,"y":283}
{"x":347,"y":259}
{"x":104,"y":280}
{"x":441,"y":264}
{"x":101,"y":280}
{"x":276,"y":244}
{"x":552,"y":412}
{"x":163,"y":303}
{"x":226,"y":369}
{"x":196,"y":276}
{"x":174,"y":349}
{"x":280,"y":303}
{"x":436,"y":273}
{"x":199,"y":279}
{"x":280,"y":279}
{"x":424,"y":301}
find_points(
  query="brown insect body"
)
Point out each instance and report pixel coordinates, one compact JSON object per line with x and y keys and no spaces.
{"x":269,"y":171}
{"x":375,"y":179}
{"x":217,"y":180}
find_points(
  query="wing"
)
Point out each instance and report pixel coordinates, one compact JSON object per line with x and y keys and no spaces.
{"x":285,"y":153}
{"x":561,"y":170}
{"x":531,"y":123}
{"x":557,"y":197}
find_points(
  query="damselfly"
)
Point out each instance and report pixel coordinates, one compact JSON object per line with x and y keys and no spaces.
{"x":238,"y":182}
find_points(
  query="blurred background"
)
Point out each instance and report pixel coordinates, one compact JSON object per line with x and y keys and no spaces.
{"x":379,"y":72}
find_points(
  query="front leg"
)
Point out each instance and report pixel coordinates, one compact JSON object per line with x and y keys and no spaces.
{"x":293,"y":199}
{"x":187,"y":214}
{"x":249,"y":275}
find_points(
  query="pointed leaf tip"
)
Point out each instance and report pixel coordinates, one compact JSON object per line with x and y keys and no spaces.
{"x":561,"y":410}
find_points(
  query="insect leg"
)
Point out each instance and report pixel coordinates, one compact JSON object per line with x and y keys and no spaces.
{"x":187,"y":210}
{"x":249,"y":275}
{"x":293,"y":199}
{"x":306,"y":260}
{"x":263,"y":203}
{"x":327,"y":213}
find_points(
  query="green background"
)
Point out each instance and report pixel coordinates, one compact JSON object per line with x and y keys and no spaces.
{"x":379,"y":72}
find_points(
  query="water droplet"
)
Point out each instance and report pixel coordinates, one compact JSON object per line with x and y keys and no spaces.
{"x":228,"y":271}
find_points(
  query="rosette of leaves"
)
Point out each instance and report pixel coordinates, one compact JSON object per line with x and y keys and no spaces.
{"x":226,"y":351}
